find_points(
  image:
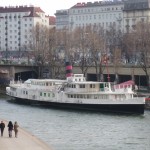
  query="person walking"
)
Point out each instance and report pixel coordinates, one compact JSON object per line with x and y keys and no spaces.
{"x":10,"y":128}
{"x":2,"y":126}
{"x":16,"y":129}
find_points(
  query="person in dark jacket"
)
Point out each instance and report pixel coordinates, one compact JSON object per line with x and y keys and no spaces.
{"x":10,"y":128}
{"x":2,"y":126}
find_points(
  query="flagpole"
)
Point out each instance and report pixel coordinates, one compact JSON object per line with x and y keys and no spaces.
{"x":106,"y":64}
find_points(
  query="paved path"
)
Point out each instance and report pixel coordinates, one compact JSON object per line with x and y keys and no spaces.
{"x":25,"y":141}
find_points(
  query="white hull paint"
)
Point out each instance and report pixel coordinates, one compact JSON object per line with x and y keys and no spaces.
{"x":77,"y":93}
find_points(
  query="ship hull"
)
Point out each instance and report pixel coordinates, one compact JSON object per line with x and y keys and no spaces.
{"x":115,"y":108}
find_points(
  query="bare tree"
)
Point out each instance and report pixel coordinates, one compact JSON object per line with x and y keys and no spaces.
{"x":96,"y":45}
{"x":143,"y":46}
{"x":51,"y":57}
{"x":137,"y":44}
{"x":80,"y":44}
{"x":114,"y":46}
{"x":39,"y":45}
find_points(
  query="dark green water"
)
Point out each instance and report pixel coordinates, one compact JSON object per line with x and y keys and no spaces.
{"x":73,"y":130}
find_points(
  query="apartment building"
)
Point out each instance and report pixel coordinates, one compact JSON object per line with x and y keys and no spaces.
{"x":122,"y":14}
{"x":102,"y":13}
{"x":134,"y":12}
{"x":62,"y":19}
{"x":16,"y":25}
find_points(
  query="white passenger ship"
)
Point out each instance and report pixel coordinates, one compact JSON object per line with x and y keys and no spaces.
{"x":77,"y":93}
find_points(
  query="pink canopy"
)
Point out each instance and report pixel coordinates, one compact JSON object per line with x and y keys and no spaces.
{"x":125,"y":84}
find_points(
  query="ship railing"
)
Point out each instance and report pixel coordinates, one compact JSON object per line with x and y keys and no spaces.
{"x":123,"y":88}
{"x":12,"y":82}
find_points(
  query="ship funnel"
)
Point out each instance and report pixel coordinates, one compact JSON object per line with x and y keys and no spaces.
{"x":68,"y":69}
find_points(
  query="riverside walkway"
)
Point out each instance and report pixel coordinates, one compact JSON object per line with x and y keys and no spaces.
{"x":25,"y":141}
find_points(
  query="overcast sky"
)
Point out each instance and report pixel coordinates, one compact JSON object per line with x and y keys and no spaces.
{"x":48,"y":6}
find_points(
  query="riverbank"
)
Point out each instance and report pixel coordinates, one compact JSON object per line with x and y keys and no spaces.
{"x":25,"y":141}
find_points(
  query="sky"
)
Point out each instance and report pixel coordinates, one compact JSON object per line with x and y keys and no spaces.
{"x":48,"y":6}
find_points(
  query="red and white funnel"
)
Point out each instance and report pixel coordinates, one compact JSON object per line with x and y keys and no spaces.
{"x":68,"y":69}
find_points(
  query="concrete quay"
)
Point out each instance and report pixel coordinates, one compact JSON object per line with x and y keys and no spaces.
{"x":24,"y":141}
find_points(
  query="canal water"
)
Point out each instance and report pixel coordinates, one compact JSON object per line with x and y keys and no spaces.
{"x":76,"y":130}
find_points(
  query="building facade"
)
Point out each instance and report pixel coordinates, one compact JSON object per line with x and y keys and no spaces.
{"x":102,"y":13}
{"x":62,"y":19}
{"x":135,"y":11}
{"x":122,"y":14}
{"x":16,"y":25}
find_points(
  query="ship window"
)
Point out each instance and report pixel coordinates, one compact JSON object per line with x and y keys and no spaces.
{"x":77,"y":96}
{"x":95,"y":97}
{"x":106,"y":85}
{"x":71,"y":96}
{"x":23,"y":92}
{"x":26,"y":92}
{"x":82,"y":85}
{"x":53,"y":95}
{"x":92,"y":85}
{"x":73,"y":86}
{"x":74,"y":96}
{"x":40,"y":93}
{"x":105,"y":96}
{"x":44,"y":94}
{"x":49,"y":94}
{"x":46,"y":83}
{"x":102,"y":87}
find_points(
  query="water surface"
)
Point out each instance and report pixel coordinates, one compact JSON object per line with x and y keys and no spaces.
{"x":77,"y":130}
